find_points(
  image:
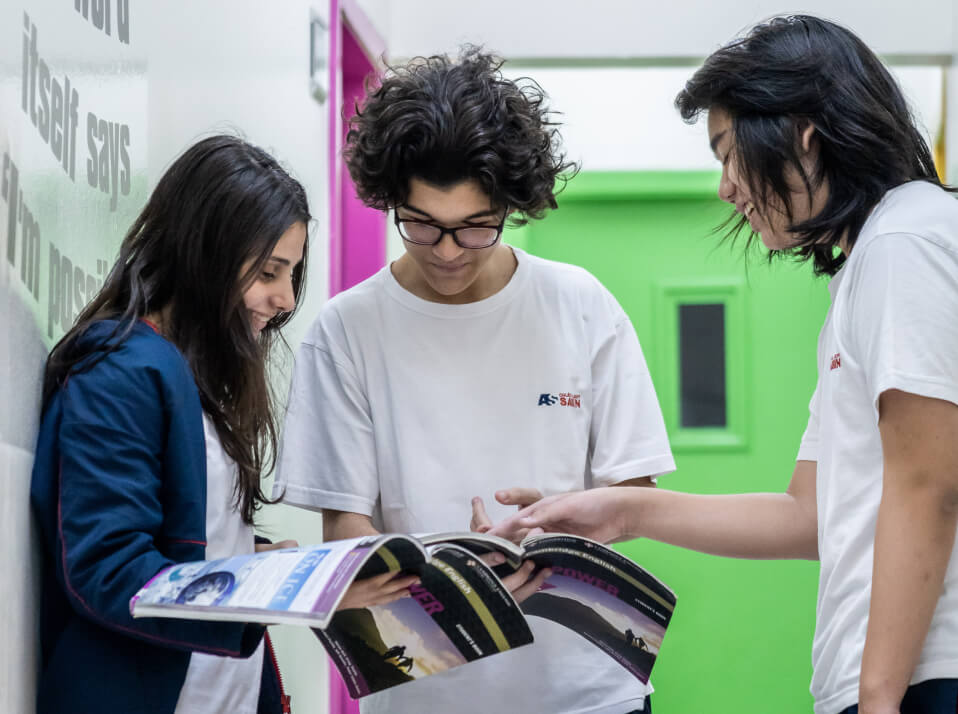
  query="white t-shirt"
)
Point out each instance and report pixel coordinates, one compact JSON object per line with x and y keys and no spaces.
{"x":893,"y":324}
{"x":214,"y":684}
{"x":403,"y":409}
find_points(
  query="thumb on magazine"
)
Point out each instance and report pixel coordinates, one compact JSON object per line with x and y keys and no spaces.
{"x":480,"y":519}
{"x":492,"y":559}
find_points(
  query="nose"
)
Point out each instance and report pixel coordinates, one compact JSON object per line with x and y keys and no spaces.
{"x":727,"y":187}
{"x":284,"y":299}
{"x":446,"y":249}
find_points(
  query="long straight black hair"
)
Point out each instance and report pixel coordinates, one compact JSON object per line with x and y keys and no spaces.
{"x":796,"y":70}
{"x":222,"y":205}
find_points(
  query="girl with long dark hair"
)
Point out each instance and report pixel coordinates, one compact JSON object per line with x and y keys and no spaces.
{"x":157,"y":426}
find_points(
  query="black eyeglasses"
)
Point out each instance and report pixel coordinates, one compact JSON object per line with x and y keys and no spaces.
{"x":472,"y":237}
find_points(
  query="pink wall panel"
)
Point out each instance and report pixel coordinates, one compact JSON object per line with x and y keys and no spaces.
{"x":357,"y":245}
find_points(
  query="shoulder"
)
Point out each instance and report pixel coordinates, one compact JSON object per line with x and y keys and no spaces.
{"x":571,"y":286}
{"x":141,"y":366}
{"x":345,"y":311}
{"x":565,"y":274}
{"x":142,"y":348}
{"x":916,"y":213}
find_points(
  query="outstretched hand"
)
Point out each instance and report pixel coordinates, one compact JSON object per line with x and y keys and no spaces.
{"x":519,"y":497}
{"x":599,"y":514}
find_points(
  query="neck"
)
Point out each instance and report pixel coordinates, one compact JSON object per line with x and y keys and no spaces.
{"x":160,"y":318}
{"x":843,"y":244}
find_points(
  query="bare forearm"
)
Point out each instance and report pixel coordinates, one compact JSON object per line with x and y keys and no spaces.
{"x":914,"y":537}
{"x":753,"y":525}
{"x":339,"y":525}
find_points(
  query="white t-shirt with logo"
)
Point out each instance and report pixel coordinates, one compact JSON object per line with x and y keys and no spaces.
{"x":893,"y":324}
{"x":404,"y":409}
{"x":214,"y":684}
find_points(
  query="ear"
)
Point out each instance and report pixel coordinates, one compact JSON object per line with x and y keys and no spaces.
{"x":807,"y":133}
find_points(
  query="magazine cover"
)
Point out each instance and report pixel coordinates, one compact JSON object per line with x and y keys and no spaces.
{"x":295,"y":586}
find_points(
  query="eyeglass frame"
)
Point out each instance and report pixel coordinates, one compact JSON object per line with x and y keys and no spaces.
{"x":443,"y":230}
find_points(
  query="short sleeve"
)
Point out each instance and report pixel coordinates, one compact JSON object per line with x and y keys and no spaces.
{"x":808,"y":448}
{"x":903,"y":317}
{"x":328,"y":454}
{"x":628,"y":437}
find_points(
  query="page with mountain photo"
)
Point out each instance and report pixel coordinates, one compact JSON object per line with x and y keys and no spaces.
{"x":607,"y":598}
{"x":595,"y":591}
{"x":460,"y":612}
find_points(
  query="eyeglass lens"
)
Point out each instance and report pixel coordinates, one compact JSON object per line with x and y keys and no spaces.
{"x":426,"y":233}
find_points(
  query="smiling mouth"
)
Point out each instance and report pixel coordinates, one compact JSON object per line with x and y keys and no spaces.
{"x":260,"y":321}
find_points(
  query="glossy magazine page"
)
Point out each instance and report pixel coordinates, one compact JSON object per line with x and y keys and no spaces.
{"x":293,"y":586}
{"x":460,"y":612}
{"x":611,"y":601}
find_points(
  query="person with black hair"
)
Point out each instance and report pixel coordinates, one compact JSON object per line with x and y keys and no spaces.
{"x":156,"y":427}
{"x":822,"y":160}
{"x":468,"y":368}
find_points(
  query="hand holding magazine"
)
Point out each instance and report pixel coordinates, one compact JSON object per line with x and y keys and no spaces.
{"x":458,"y":613}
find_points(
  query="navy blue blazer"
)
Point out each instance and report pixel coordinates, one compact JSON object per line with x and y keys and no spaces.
{"x":119,"y":492}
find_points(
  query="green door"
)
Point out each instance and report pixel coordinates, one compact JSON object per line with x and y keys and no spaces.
{"x":731,"y":349}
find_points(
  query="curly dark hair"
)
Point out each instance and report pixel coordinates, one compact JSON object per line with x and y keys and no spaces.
{"x":795,"y":70}
{"x":445,"y":121}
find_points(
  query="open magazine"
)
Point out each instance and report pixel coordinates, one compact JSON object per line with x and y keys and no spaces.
{"x":458,"y":613}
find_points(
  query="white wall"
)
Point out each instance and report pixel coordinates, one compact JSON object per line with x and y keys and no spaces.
{"x":648,"y":28}
{"x":223,"y":64}
{"x":593,"y":59}
{"x":623,"y":118}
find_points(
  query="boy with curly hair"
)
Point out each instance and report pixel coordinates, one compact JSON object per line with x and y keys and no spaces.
{"x":468,"y":368}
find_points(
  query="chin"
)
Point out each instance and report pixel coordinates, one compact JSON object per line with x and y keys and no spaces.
{"x":772,"y":242}
{"x":448,"y":288}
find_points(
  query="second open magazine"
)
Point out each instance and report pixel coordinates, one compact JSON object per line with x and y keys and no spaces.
{"x":595,"y":591}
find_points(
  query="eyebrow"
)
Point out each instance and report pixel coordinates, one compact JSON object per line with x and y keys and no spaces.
{"x":276,"y":259}
{"x":491,"y":213}
{"x":717,"y":138}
